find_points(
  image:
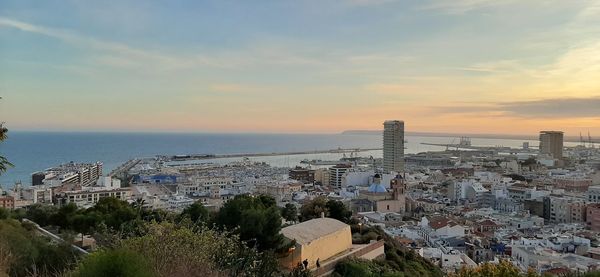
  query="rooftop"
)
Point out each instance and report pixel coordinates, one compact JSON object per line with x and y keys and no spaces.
{"x":306,"y":232}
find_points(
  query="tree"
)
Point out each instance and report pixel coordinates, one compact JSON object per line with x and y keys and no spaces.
{"x":4,"y":163}
{"x":338,"y":210}
{"x":4,"y":213}
{"x":196,"y":212}
{"x":64,"y":216}
{"x":330,"y":208}
{"x":113,"y":212}
{"x":290,"y":212}
{"x":313,"y":209}
{"x":267,"y":200}
{"x":529,"y":161}
{"x":255,"y":219}
{"x":138,"y":205}
{"x":41,"y":214}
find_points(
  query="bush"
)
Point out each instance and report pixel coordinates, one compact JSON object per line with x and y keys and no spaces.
{"x":24,"y":252}
{"x":116,"y":263}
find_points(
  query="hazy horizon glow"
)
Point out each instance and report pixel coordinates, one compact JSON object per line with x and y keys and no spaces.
{"x":464,"y":66}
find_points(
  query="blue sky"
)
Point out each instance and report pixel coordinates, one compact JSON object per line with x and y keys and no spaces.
{"x":300,"y":66}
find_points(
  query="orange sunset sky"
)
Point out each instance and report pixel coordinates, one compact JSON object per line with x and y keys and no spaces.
{"x":465,"y":66}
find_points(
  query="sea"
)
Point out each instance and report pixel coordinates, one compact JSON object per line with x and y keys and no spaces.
{"x":35,"y":151}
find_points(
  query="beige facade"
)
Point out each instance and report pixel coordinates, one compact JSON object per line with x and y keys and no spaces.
{"x":428,"y":206}
{"x":388,"y":206}
{"x":87,"y":198}
{"x":567,"y":210}
{"x":393,"y":146}
{"x":280,"y":191}
{"x":388,"y":201}
{"x":551,"y":143}
{"x":322,"y":176}
{"x":320,"y":238}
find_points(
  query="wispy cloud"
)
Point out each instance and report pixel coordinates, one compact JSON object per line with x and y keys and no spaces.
{"x":557,"y":108}
{"x":501,"y":66}
{"x":239,"y":88}
{"x":368,"y":2}
{"x":463,"y":6}
{"x":544,"y":108}
{"x":122,"y":54}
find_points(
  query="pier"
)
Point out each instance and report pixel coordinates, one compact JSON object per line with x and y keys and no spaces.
{"x":250,"y":155}
{"x":121,"y":171}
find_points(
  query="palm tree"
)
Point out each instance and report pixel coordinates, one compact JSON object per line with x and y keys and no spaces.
{"x":4,"y":163}
{"x":138,"y":205}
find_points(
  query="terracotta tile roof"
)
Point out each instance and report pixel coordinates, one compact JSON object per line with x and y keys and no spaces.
{"x":487,"y":222}
{"x":439,"y":222}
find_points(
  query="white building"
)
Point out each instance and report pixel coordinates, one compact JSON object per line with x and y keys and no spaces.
{"x":593,"y":194}
{"x":541,"y":259}
{"x":336,"y":174}
{"x":363,"y":178}
{"x":468,"y":189}
{"x":179,"y":202}
{"x":89,"y":196}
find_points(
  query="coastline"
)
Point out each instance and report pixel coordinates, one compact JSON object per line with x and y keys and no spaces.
{"x":483,"y":136}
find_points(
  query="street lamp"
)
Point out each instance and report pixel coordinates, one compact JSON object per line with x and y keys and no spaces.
{"x":360,"y":228}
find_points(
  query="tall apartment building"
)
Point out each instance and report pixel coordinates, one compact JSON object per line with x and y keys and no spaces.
{"x":551,"y":143}
{"x":336,"y":173}
{"x":393,"y":146}
{"x":83,"y":174}
{"x":561,"y":209}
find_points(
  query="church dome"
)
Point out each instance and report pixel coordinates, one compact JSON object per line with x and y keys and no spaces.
{"x":377,"y":188}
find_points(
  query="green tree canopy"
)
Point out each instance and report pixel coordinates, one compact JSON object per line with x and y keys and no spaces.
{"x":256,"y":219}
{"x":338,"y":210}
{"x":41,"y":214}
{"x":4,"y":163}
{"x":196,"y":213}
{"x":313,"y":209}
{"x":290,"y":212}
{"x":331,"y":208}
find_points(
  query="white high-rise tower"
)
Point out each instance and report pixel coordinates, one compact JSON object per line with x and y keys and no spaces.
{"x":393,"y":146}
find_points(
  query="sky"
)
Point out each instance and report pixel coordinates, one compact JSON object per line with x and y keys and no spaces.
{"x":317,"y":66}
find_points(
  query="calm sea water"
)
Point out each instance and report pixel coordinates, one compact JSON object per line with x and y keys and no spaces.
{"x":34,"y":151}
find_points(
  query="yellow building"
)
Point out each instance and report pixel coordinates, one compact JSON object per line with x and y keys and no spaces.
{"x":320,"y":238}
